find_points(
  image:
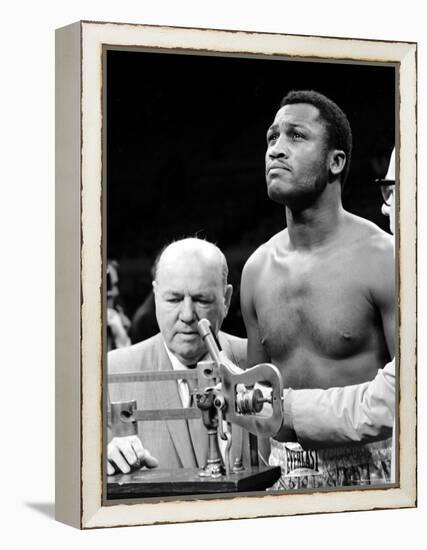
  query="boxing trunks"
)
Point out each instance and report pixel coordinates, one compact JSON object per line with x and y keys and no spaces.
{"x":360,"y":465}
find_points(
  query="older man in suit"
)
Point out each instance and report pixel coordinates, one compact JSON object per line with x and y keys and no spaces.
{"x":190,"y":284}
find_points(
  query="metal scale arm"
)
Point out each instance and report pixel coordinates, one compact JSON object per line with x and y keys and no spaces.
{"x":244,"y":401}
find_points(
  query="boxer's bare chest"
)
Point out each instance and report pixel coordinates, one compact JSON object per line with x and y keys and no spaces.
{"x":319,"y":302}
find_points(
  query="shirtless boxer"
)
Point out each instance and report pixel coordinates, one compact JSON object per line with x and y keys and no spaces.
{"x":318,"y":297}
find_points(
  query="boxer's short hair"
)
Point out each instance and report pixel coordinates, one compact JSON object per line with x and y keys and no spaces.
{"x":336,"y":121}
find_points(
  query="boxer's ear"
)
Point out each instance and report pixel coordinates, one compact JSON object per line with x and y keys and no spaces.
{"x":337,"y":161}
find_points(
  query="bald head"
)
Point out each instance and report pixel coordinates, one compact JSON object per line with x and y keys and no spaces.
{"x":199,"y":250}
{"x":190,"y":283}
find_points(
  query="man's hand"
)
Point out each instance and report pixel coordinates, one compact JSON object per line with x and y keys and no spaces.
{"x":127,"y":453}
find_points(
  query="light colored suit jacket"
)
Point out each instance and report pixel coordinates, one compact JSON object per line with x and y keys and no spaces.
{"x":343,"y":416}
{"x":170,"y":441}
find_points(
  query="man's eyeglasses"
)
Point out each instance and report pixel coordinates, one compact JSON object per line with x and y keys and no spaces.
{"x":387,"y":189}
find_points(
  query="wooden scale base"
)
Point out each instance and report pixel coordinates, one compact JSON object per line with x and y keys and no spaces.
{"x":186,"y":481}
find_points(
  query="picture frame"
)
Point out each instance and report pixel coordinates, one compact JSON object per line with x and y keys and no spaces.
{"x":80,"y":267}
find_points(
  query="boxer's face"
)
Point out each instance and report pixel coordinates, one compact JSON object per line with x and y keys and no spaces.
{"x":296,"y":161}
{"x":187,"y":289}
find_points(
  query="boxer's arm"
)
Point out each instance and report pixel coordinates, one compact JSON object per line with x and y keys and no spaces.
{"x":256,"y":353}
{"x":383,"y":290}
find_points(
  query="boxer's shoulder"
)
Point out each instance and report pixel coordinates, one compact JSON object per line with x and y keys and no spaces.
{"x":259,"y":257}
{"x":373,"y":251}
{"x":368,"y":232}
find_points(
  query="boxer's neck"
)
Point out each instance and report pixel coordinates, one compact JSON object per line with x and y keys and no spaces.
{"x":317,"y":225}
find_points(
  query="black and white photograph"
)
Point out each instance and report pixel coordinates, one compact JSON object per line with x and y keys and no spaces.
{"x":250,"y":273}
{"x":212,"y":305}
{"x":236,"y":271}
{"x":212,"y":281}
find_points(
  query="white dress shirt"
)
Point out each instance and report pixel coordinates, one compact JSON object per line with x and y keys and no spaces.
{"x":183,"y":389}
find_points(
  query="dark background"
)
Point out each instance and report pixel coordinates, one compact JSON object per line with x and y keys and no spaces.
{"x":185,"y":153}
